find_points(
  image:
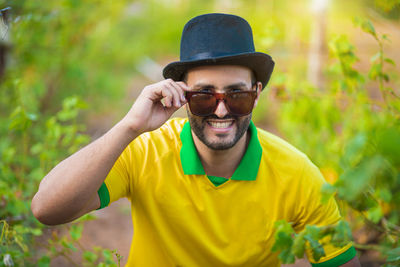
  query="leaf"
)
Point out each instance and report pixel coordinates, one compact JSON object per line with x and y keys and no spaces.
{"x":354,"y":183}
{"x":312,"y":235}
{"x":390,"y":61}
{"x":385,"y":77}
{"x":366,"y":25}
{"x":385,"y":194}
{"x":375,"y":71}
{"x":317,"y":249}
{"x":36,"y":148}
{"x":68,"y":245}
{"x":20,"y":121}
{"x":327,"y":192}
{"x":86,"y":217}
{"x":90,"y":256}
{"x":355,"y":148}
{"x":53,"y":250}
{"x":74,"y":102}
{"x":108,"y":257}
{"x":376,"y":56}
{"x":18,"y":239}
{"x":313,"y":231}
{"x":283,"y":241}
{"x":388,"y":141}
{"x":393,"y":255}
{"x":32,"y":116}
{"x":386,"y":37}
{"x":375,"y":214}
{"x":65,"y":115}
{"x":44,"y":261}
{"x":341,"y":235}
{"x":299,"y":244}
{"x":286,"y":257}
{"x":284,"y":226}
{"x":76,"y":231}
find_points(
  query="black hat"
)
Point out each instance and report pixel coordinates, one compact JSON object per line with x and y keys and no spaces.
{"x":219,"y":39}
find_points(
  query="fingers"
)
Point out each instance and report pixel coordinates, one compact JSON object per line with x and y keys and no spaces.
{"x":176,"y":96}
{"x":183,"y":86}
{"x":155,"y":104}
{"x":170,"y":92}
{"x":180,"y":88}
{"x":174,"y":93}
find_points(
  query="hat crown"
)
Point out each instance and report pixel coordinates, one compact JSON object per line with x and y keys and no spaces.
{"x":215,"y":35}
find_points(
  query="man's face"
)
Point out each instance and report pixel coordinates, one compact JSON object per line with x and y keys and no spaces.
{"x":220,"y":130}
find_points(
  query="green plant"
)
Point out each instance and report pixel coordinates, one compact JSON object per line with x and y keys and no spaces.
{"x":361,"y":144}
{"x":28,"y":148}
{"x":68,"y":244}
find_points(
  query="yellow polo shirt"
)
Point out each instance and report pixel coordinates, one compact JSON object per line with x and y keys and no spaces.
{"x":182,"y":217}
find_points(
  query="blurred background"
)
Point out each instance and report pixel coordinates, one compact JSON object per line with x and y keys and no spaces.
{"x":71,"y":69}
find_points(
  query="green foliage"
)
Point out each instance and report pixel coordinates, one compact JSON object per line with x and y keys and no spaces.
{"x":393,"y":255}
{"x":292,"y":245}
{"x":44,"y":143}
{"x":69,"y":55}
{"x":387,"y":8}
{"x":284,"y":242}
{"x":387,"y":5}
{"x":361,"y":142}
{"x":66,"y":245}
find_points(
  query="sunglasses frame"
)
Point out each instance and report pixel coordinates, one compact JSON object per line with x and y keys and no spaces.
{"x":220,"y":97}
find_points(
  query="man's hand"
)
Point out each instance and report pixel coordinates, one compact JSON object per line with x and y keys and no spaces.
{"x":155,"y":105}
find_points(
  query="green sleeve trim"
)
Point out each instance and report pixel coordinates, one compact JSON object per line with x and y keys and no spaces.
{"x":104,"y":196}
{"x":338,"y":260}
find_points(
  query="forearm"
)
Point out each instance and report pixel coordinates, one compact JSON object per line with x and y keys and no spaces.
{"x":70,"y":187}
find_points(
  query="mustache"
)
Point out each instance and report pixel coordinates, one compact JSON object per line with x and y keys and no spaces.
{"x":228,"y":116}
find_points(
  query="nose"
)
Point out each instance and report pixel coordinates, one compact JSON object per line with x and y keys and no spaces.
{"x":221,"y":110}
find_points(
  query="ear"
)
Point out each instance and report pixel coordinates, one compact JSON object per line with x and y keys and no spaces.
{"x":259,"y":88}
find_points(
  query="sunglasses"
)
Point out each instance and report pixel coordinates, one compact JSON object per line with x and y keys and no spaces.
{"x":204,"y":104}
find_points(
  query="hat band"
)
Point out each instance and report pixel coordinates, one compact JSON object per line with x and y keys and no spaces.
{"x":209,"y":55}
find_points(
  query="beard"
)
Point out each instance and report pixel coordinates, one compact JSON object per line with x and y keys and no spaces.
{"x":198,"y":125}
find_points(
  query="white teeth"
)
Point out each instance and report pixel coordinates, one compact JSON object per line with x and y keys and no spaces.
{"x":219,"y":124}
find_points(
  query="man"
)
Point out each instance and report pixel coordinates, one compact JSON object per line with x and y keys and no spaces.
{"x":204,"y":192}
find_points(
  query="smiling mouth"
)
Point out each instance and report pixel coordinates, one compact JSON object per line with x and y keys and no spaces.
{"x":220,"y":124}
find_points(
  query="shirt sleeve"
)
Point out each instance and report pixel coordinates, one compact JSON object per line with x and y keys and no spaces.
{"x":313,"y":212}
{"x":118,"y":181}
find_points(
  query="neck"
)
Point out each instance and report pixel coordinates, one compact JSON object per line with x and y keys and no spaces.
{"x":221,"y":163}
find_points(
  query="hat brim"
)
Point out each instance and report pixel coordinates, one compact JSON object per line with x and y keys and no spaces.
{"x":262,"y":65}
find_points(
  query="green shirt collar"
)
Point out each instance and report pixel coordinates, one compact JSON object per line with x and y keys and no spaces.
{"x":248,"y":166}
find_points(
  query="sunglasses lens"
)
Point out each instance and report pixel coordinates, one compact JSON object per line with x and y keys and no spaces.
{"x":240,"y":103}
{"x":202,"y":104}
{"x":237,"y":103}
